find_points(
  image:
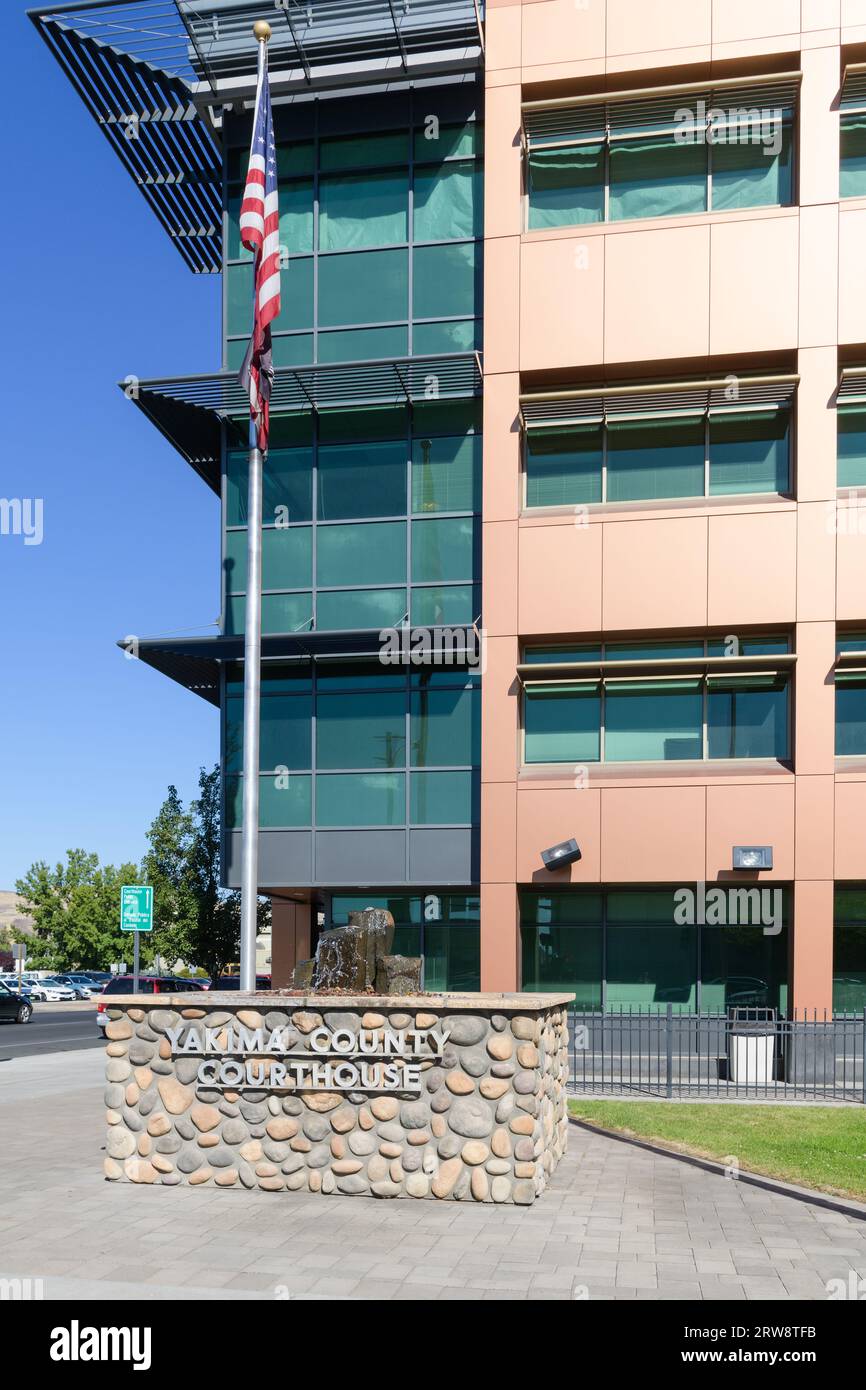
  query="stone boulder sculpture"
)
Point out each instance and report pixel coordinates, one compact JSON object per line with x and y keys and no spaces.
{"x":357,"y":958}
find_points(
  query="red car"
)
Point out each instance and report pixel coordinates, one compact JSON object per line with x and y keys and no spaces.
{"x":147,"y":984}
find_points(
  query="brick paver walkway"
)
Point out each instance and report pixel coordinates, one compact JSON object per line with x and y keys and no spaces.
{"x":617,"y":1223}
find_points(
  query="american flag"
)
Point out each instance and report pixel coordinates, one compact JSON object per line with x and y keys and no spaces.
{"x":260,"y":233}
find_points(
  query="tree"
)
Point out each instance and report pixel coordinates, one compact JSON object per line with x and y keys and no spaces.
{"x":166,"y":866}
{"x":76,"y":912}
{"x":215,"y":936}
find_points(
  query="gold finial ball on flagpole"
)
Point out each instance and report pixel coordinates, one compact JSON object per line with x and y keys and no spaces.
{"x":262,"y":30}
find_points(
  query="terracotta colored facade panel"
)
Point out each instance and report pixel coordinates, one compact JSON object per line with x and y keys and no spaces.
{"x":775,"y":290}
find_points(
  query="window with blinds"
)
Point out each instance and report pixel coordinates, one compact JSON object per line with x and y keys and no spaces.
{"x":660,"y":152}
{"x":657,"y":702}
{"x":729,"y":437}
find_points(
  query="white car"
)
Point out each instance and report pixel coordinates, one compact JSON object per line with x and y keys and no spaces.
{"x":51,"y":991}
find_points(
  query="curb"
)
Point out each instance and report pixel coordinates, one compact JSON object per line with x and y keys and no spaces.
{"x":844,"y":1205}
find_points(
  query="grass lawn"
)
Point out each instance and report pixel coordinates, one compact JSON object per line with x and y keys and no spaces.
{"x":816,"y":1146}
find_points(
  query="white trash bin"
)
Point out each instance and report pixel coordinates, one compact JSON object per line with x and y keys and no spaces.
{"x":750,"y":1056}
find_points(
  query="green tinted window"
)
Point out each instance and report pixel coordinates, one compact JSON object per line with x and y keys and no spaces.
{"x":657,"y":177}
{"x":358,"y":480}
{"x":364,"y":730}
{"x":362,"y":608}
{"x":849,"y":950}
{"x":296,"y":217}
{"x":749,"y":173}
{"x":374,"y":553}
{"x":363,"y":344}
{"x":296,"y":290}
{"x":440,"y":798}
{"x":289,"y":350}
{"x":747,"y":717}
{"x":651,"y":651}
{"x":361,"y":798}
{"x":655,"y":721}
{"x":850,"y":714}
{"x":564,"y":467}
{"x":286,"y":722}
{"x":358,"y":151}
{"x":364,"y":424}
{"x":447,"y":203}
{"x":445,"y":729}
{"x":446,"y":280}
{"x":363,"y":287}
{"x":358,"y":210}
{"x":749,"y":452}
{"x":655,"y":458}
{"x":562,"y":725}
{"x":445,"y":603}
{"x":438,"y":142}
{"x":446,"y":474}
{"x":563,"y":958}
{"x":744,"y":966}
{"x":452,"y":957}
{"x":280,"y":613}
{"x":287,"y":559}
{"x":295,"y":220}
{"x":284,"y":801}
{"x":454,"y":335}
{"x":852,"y":166}
{"x":442,"y":549}
{"x":298,"y":157}
{"x":286,"y":486}
{"x":851,"y":447}
{"x":566,"y":186}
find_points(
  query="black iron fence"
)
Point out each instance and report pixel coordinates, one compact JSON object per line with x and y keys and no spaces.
{"x":742,"y":1054}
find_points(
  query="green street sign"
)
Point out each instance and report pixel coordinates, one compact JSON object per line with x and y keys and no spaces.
{"x":136,"y":907}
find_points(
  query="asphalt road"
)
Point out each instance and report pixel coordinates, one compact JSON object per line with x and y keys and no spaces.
{"x":53,"y":1028}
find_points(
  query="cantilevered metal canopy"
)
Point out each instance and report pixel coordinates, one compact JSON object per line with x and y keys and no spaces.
{"x":113,"y":56}
{"x":194,"y":662}
{"x":190,"y":411}
{"x":155,"y":74}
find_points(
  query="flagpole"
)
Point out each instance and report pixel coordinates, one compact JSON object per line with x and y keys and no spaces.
{"x":252,"y":684}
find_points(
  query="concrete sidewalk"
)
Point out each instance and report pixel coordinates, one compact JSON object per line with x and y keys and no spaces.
{"x":617,"y":1223}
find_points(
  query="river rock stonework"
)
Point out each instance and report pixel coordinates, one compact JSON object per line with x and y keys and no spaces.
{"x":225,"y":1090}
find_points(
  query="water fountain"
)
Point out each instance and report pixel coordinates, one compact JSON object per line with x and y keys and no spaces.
{"x":357,"y":959}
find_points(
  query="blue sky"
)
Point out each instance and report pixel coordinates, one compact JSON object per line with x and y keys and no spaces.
{"x":92,"y":290}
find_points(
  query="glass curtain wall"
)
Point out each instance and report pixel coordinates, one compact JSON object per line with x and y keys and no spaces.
{"x":619,"y":948}
{"x":368,"y":518}
{"x":380,"y":230}
{"x":355,"y":744}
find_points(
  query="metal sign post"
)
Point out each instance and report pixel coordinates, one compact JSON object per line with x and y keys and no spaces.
{"x":136,"y":915}
{"x":19,"y":953}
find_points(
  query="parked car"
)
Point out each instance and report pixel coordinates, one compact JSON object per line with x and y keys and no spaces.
{"x":61,"y":989}
{"x":11,"y":982}
{"x":234,"y":982}
{"x":82,"y":986}
{"x":14,"y":1005}
{"x":147,"y":984}
{"x":51,"y":991}
{"x":99,"y":979}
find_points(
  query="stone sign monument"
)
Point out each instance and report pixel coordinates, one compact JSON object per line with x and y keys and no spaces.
{"x":428,"y":1096}
{"x":413,"y":1095}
